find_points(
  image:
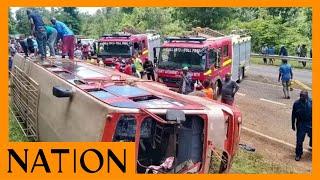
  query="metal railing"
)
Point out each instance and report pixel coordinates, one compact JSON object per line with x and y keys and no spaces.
{"x":24,"y":101}
{"x":289,"y":58}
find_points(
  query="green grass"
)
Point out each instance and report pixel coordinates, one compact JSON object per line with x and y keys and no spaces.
{"x":294,"y":64}
{"x":253,"y":163}
{"x":15,"y":132}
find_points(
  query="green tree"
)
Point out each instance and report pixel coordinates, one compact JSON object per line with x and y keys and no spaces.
{"x":12,"y":23}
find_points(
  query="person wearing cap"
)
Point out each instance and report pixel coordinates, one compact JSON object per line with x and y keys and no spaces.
{"x":286,"y":75}
{"x":67,"y":37}
{"x":228,"y":90}
{"x":302,"y":121}
{"x":39,"y":31}
{"x":185,"y":83}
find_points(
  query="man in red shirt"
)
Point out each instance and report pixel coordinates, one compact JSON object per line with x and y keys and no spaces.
{"x":128,"y":68}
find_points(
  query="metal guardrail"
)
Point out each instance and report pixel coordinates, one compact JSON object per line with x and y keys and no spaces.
{"x":289,"y":58}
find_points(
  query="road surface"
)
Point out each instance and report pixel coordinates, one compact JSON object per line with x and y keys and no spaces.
{"x":272,"y":73}
{"x":266,"y":111}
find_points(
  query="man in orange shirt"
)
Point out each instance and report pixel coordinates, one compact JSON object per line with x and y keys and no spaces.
{"x":207,"y":89}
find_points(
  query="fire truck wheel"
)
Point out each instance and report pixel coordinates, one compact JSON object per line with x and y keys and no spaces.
{"x":241,"y":75}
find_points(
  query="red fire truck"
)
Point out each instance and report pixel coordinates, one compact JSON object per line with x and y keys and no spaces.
{"x":124,"y":45}
{"x":206,"y":57}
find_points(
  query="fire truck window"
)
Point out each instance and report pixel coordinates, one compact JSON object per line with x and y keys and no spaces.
{"x":126,"y":129}
{"x":225,"y":50}
{"x":212,"y":57}
{"x":218,"y":62}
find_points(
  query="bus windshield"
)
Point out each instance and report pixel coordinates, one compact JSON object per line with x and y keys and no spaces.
{"x":177,"y":58}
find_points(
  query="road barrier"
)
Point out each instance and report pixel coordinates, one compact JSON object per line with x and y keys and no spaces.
{"x":289,"y":58}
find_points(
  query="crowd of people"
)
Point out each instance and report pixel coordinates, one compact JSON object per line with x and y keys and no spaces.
{"x":228,"y":88}
{"x":135,"y":66}
{"x":267,"y":50}
{"x":56,"y":36}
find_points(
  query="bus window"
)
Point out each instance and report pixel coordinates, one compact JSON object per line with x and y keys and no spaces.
{"x":126,"y":129}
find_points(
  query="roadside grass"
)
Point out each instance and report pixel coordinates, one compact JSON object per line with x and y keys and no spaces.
{"x":253,"y":163}
{"x":277,"y":62}
{"x":15,"y":133}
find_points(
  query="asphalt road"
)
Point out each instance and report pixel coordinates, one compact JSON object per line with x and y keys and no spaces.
{"x":272,"y":72}
{"x":266,"y":111}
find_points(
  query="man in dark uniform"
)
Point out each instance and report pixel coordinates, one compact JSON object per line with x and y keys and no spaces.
{"x":228,"y":90}
{"x":302,"y":121}
{"x":39,"y":31}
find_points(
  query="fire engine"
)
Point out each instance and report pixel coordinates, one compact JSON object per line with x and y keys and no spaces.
{"x":77,"y":101}
{"x":124,"y":45}
{"x":208,"y":54}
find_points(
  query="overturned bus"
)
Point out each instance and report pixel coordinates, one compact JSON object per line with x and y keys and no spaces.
{"x":173,"y":133}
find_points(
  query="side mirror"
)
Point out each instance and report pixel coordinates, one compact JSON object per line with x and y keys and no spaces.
{"x":175,"y":115}
{"x":61,"y":92}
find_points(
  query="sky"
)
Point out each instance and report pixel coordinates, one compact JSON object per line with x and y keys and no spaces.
{"x":90,"y":10}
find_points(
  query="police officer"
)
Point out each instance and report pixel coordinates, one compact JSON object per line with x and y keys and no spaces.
{"x":302,"y":121}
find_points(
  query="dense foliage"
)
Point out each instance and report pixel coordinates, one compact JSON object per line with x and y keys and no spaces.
{"x":273,"y":26}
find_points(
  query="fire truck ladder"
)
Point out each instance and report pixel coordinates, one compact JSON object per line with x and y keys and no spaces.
{"x":206,"y":32}
{"x":24,"y":101}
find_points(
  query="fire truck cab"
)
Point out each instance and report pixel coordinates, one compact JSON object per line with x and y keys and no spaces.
{"x":125,"y":45}
{"x":207,"y":58}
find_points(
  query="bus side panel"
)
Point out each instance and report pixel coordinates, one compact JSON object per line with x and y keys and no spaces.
{"x":248,"y":53}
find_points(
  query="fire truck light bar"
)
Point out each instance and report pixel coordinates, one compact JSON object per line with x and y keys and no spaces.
{"x":117,"y":35}
{"x":198,"y":39}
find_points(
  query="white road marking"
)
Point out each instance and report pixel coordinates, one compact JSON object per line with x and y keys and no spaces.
{"x":241,"y":94}
{"x":274,"y":102}
{"x":271,"y":138}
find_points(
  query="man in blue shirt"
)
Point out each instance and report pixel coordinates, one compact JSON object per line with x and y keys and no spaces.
{"x":39,"y":31}
{"x":285,"y":74}
{"x":67,"y":38}
{"x":302,"y":121}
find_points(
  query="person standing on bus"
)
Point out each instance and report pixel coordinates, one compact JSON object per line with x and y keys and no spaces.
{"x":51,"y":36}
{"x":67,"y":37}
{"x":39,"y":31}
{"x":228,"y":90}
